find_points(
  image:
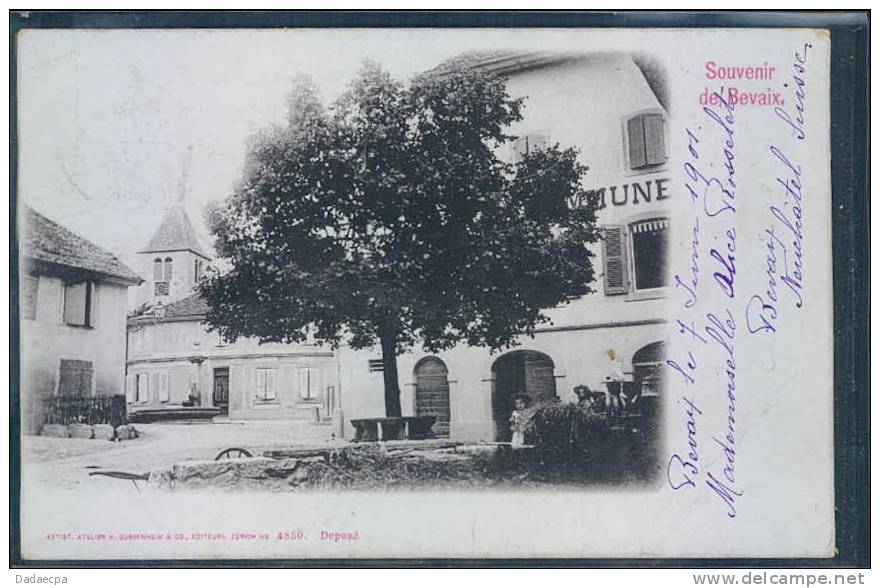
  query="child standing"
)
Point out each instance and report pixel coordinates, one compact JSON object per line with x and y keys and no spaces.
{"x":518,"y":420}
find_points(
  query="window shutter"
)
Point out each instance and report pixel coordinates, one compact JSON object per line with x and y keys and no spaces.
{"x":157,"y":270}
{"x":260,"y":391}
{"x":163,"y":387}
{"x":635,"y":133}
{"x":30,"y":286}
{"x":155,"y":378}
{"x":85,"y":379}
{"x":92,"y":304}
{"x":129,"y":389}
{"x":614,"y":255}
{"x":304,"y":388}
{"x":314,"y":383}
{"x":655,"y":144}
{"x":270,"y":385}
{"x":143,"y":388}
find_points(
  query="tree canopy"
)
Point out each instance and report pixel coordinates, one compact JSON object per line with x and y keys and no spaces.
{"x":392,"y":215}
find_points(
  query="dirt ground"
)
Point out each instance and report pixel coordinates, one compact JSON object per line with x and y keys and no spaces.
{"x":65,"y":463}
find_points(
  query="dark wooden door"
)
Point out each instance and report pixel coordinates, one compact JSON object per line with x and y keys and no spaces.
{"x":432,"y":393}
{"x":221,"y":388}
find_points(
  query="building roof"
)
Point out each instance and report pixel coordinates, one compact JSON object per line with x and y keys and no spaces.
{"x":191,"y":308}
{"x":48,"y":243}
{"x":176,"y":233}
{"x":192,"y":305}
{"x":505,"y":63}
{"x":499,"y":61}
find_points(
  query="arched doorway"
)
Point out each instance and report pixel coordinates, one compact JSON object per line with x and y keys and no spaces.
{"x":432,"y":392}
{"x":519,"y":372}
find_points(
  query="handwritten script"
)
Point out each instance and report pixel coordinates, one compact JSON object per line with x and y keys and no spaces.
{"x":708,"y":322}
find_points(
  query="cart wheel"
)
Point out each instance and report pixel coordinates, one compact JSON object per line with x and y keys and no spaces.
{"x":232,"y":453}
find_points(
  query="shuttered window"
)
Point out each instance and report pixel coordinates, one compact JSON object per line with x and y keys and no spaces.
{"x":78,"y":304}
{"x":266,"y":385}
{"x":158,"y":273}
{"x":143,"y":388}
{"x":30,"y":286}
{"x":526,"y":144}
{"x":129,"y":389}
{"x":75,"y":378}
{"x":164,"y":395}
{"x":614,"y":257}
{"x":646,"y":141}
{"x":309,"y":384}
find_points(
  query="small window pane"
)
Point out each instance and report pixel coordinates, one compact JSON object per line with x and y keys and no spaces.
{"x":75,"y":303}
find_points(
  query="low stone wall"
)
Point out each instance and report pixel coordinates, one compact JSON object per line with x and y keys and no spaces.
{"x":232,"y":473}
{"x":82,"y":431}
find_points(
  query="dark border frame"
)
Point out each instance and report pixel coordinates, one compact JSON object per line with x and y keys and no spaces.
{"x":850,"y":173}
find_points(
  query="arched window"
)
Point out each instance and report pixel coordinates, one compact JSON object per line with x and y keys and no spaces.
{"x":648,"y":365}
{"x":168,"y":269}
{"x":157,"y":270}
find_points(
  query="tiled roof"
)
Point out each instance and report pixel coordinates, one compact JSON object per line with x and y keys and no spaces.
{"x":175,"y":233}
{"x":46,"y":241}
{"x":498,"y":62}
{"x":192,"y":305}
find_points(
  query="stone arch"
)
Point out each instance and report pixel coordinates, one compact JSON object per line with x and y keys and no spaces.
{"x":520,"y":372}
{"x":649,"y":369}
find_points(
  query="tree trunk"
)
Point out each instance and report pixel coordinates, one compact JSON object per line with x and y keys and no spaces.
{"x":389,"y":367}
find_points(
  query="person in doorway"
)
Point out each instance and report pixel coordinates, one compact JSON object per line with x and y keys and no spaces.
{"x":519,"y":418}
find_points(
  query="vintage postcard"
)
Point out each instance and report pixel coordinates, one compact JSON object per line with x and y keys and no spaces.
{"x":424,"y":293}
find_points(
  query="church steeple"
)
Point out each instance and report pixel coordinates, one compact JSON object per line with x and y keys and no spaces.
{"x":175,"y":233}
{"x":173,"y":260}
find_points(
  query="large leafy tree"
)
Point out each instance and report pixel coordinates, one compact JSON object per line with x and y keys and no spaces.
{"x":390,"y":217}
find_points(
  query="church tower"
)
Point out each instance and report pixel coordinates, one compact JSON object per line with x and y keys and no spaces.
{"x":173,"y":260}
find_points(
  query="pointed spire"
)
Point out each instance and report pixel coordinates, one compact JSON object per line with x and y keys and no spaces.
{"x":175,"y":233}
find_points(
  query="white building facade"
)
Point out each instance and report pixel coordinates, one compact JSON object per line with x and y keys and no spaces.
{"x":175,"y":362}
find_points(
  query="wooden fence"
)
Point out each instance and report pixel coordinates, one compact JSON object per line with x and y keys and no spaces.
{"x":89,"y":410}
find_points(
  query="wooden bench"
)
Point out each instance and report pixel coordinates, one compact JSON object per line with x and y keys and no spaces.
{"x":392,"y":428}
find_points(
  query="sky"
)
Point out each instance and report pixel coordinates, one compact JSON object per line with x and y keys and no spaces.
{"x":106,"y":118}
